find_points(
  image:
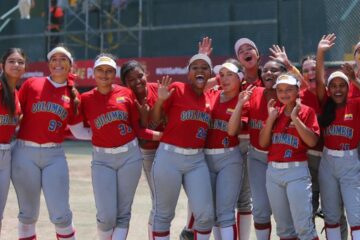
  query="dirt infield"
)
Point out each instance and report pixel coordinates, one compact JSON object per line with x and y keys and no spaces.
{"x":83,"y":206}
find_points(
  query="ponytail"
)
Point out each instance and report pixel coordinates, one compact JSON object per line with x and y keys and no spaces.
{"x":73,"y":93}
{"x":329,"y":113}
{"x":7,"y":99}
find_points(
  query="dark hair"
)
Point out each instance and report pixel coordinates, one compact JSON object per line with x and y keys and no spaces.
{"x":307,"y":57}
{"x":7,"y":99}
{"x":127,"y":67}
{"x":281,"y":65}
{"x":329,"y":113}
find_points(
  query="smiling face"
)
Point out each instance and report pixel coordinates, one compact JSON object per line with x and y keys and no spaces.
{"x":286,"y":93}
{"x":270,"y":72}
{"x":198,"y":75}
{"x":229,"y":80}
{"x":59,"y":66}
{"x":338,"y":90}
{"x":309,"y":72}
{"x":248,"y":56}
{"x":136,"y":80}
{"x":104,"y":76}
{"x":14,"y":66}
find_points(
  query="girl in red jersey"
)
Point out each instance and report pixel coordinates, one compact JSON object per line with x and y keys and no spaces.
{"x":48,"y":104}
{"x":339,"y":171}
{"x":133,"y":76}
{"x":257,"y":156}
{"x":222,"y":151}
{"x":116,"y":165}
{"x":13,"y":65}
{"x":180,"y":159}
{"x":288,"y":132}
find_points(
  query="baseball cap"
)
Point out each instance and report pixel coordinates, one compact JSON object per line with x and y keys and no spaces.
{"x":243,"y":41}
{"x":200,"y":56}
{"x":287,"y":79}
{"x":357,"y":47}
{"x":60,"y":50}
{"x":337,"y":74}
{"x":231,"y":67}
{"x":104,"y":60}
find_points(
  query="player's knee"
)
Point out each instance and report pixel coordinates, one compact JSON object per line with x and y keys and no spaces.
{"x":105,"y":224}
{"x":205,"y":220}
{"x":62,"y":221}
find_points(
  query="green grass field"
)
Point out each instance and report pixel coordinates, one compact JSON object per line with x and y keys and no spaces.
{"x":83,"y":206}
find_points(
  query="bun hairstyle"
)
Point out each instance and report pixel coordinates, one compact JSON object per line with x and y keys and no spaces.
{"x":7,"y":99}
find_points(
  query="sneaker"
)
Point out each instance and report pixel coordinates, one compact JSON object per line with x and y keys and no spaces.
{"x":186,"y":235}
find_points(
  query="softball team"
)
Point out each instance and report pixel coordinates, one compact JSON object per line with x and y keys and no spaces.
{"x":13,"y":65}
{"x":198,"y":148}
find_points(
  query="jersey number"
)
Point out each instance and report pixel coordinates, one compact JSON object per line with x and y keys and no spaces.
{"x":201,"y":133}
{"x":54,"y":125}
{"x":124,"y":129}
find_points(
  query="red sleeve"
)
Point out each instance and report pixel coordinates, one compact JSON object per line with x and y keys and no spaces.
{"x":311,"y":121}
{"x":23,"y":94}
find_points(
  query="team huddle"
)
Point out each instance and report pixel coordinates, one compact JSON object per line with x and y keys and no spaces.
{"x":253,"y":142}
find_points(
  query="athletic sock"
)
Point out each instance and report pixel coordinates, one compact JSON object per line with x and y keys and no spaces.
{"x":161,"y":235}
{"x":244,"y":225}
{"x":105,"y":235}
{"x":202,"y":235}
{"x":65,"y":233}
{"x":262,"y":231}
{"x":216,"y":233}
{"x":26,"y":231}
{"x":332,"y":231}
{"x":229,"y":233}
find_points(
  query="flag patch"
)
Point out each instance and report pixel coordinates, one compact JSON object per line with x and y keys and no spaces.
{"x":120,"y":99}
{"x":348,"y":116}
{"x":230,"y":111}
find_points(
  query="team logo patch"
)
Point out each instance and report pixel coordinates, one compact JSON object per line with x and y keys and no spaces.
{"x":120,"y":99}
{"x":348,"y":116}
{"x":65,"y":98}
{"x":230,"y":111}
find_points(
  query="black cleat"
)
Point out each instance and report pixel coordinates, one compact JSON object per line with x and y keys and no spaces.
{"x":186,"y":235}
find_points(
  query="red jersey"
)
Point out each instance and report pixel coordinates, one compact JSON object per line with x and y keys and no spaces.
{"x":188,"y":117}
{"x":257,"y":114}
{"x":113,"y":117}
{"x":152,"y":96}
{"x":258,"y":83}
{"x":47,"y":110}
{"x":7,"y":123}
{"x":220,"y":115}
{"x":310,"y":99}
{"x":343,"y":133}
{"x":354,"y":92}
{"x":286,"y":144}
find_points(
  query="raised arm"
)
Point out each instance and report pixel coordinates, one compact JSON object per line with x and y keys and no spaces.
{"x":326,"y":42}
{"x":306,"y":134}
{"x":280,"y":55}
{"x":163,"y":94}
{"x":234,"y":125}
